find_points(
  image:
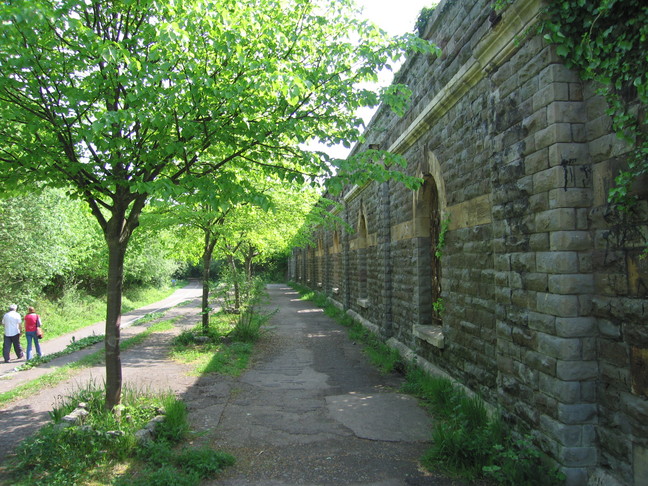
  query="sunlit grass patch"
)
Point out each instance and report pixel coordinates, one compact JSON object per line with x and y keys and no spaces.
{"x":218,"y":351}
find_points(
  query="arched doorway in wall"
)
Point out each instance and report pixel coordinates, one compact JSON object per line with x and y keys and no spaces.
{"x":320,"y":277}
{"x":429,"y":209}
{"x":362,"y":256}
{"x":336,"y":256}
{"x":428,"y":216}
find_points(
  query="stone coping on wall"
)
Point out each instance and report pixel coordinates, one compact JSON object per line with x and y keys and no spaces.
{"x":499,"y":44}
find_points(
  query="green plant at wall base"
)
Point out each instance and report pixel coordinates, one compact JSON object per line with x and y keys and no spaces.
{"x":470,"y":442}
{"x":607,"y":42}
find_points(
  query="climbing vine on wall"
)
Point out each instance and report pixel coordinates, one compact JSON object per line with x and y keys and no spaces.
{"x":607,"y":42}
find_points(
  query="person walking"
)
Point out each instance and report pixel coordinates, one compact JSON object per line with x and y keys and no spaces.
{"x":12,"y":329}
{"x":32,"y":331}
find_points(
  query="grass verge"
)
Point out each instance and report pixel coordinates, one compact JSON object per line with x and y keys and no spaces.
{"x":227,"y":346}
{"x":65,"y":372}
{"x":77,"y":310}
{"x":467,"y":441}
{"x":106,"y":450}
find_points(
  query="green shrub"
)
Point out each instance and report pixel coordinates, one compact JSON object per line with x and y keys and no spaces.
{"x":203,"y":461}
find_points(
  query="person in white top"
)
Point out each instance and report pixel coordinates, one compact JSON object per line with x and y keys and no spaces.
{"x":12,"y":329}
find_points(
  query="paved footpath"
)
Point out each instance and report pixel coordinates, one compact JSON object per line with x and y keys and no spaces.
{"x":309,"y":411}
{"x":312,"y":411}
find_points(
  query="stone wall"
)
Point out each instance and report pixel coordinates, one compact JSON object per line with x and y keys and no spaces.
{"x":543,"y":290}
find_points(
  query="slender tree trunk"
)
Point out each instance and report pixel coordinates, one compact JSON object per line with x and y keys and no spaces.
{"x":207,"y":258}
{"x":116,"y":250}
{"x":235,"y":277}
{"x":249,"y":257}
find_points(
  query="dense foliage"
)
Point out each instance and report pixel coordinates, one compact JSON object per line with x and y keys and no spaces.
{"x":607,"y":41}
{"x":50,"y":245}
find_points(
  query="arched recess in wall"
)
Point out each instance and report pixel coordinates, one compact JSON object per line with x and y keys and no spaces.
{"x":429,"y":210}
{"x":336,"y":262}
{"x":319,"y":280}
{"x":362,"y":255}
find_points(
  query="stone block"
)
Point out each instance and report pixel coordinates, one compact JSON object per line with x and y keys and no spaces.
{"x":566,"y":435}
{"x":565,"y":391}
{"x":524,"y":337}
{"x":557,"y":262}
{"x":561,"y":219}
{"x":578,"y":456}
{"x":574,"y":154}
{"x":542,"y":322}
{"x":560,"y":348}
{"x":534,"y":281}
{"x":558,"y":305}
{"x":536,"y":161}
{"x":576,"y":370}
{"x":553,"y":134}
{"x":606,"y":147}
{"x":576,"y":92}
{"x":583,"y":413}
{"x":550,"y":93}
{"x":523,"y":262}
{"x":598,"y":127}
{"x":557,"y":73}
{"x":576,"y":327}
{"x":640,"y":465}
{"x":571,"y":284}
{"x":551,"y":178}
{"x":571,"y":198}
{"x":566,"y":112}
{"x":539,"y":242}
{"x":570,"y":240}
{"x":541,"y":362}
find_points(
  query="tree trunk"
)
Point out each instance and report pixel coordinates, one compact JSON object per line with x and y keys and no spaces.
{"x":235,"y":278}
{"x":117,"y":244}
{"x":207,"y":257}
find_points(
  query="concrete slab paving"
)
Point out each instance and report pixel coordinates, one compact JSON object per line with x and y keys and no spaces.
{"x":312,"y":411}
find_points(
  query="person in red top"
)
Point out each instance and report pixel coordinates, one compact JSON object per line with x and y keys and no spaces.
{"x":32,"y":323}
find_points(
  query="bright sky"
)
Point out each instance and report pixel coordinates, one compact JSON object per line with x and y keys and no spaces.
{"x":396,"y":17}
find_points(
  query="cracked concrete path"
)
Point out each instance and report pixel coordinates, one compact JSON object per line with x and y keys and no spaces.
{"x":312,"y":411}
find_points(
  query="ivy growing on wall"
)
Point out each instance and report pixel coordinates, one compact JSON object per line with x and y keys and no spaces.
{"x":607,"y":42}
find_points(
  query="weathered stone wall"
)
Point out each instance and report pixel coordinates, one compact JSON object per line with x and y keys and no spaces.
{"x":544,"y":292}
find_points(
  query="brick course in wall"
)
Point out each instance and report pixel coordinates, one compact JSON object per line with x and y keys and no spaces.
{"x":544,"y":290}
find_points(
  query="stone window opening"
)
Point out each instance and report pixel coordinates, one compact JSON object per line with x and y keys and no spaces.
{"x":362,"y":261}
{"x":427,"y":223}
{"x":336,"y":262}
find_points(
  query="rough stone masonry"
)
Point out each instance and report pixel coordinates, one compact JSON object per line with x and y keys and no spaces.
{"x":507,"y":271}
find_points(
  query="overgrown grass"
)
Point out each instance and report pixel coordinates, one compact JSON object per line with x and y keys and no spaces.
{"x":66,"y":371}
{"x":467,"y":440}
{"x":106,"y":443}
{"x":222,"y":349}
{"x":77,"y":310}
